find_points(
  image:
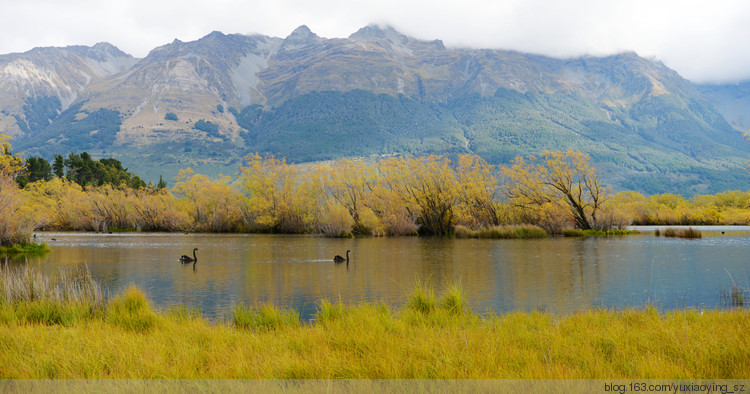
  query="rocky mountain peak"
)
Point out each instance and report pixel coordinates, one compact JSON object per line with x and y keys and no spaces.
{"x":375,"y":32}
{"x":215,"y":34}
{"x":301,"y":36}
{"x":388,"y":37}
{"x":102,"y":51}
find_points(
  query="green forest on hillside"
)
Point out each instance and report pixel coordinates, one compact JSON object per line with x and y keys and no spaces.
{"x":657,"y":145}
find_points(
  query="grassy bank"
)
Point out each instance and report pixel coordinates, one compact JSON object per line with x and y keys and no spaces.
{"x":28,"y":248}
{"x":597,"y":233}
{"x":502,"y":232}
{"x":431,"y":336}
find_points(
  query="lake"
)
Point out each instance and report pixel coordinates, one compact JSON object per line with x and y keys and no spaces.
{"x":559,"y":275}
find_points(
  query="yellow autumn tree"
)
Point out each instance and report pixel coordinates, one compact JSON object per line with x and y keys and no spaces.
{"x":213,"y":204}
{"x":558,"y":178}
{"x":10,"y":165}
{"x":428,"y":188}
{"x":60,"y":204}
{"x":106,"y":206}
{"x":666,"y":208}
{"x":156,"y":210}
{"x":631,"y":207}
{"x":279,"y":197}
{"x":478,"y":195}
{"x":15,"y":225}
{"x":348,"y":183}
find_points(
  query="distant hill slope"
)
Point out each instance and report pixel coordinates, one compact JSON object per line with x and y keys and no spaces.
{"x":207,"y":103}
{"x":732,"y":101}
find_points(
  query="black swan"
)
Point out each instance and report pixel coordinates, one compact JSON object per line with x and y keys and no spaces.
{"x":339,"y":259}
{"x":188,"y":259}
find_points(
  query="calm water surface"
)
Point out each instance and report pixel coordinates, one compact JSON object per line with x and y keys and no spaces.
{"x":556,"y":274}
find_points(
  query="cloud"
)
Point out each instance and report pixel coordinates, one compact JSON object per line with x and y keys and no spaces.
{"x":703,"y":41}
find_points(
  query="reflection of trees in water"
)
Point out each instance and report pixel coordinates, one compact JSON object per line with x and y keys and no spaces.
{"x":559,"y":274}
{"x":22,"y":260}
{"x":554,"y":274}
{"x":380,"y":269}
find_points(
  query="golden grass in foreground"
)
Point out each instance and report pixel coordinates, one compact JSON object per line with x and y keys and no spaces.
{"x":129,"y":340}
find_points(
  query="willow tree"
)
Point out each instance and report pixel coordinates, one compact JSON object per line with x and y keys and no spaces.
{"x":348,"y":183}
{"x":15,"y":224}
{"x":212,"y":203}
{"x":279,"y":197}
{"x":564,"y":178}
{"x":478,"y":192}
{"x":10,"y":166}
{"x":428,"y":187}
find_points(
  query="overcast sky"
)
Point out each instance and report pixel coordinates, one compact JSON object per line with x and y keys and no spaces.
{"x":705,"y":41}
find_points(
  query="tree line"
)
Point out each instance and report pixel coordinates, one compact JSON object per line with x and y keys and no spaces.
{"x":81,"y":169}
{"x":392,"y":196}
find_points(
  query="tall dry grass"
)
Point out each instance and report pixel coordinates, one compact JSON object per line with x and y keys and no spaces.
{"x":73,"y":286}
{"x":671,"y":232}
{"x":27,"y":295}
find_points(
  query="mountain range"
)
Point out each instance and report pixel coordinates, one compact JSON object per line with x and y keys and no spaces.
{"x":207,"y":103}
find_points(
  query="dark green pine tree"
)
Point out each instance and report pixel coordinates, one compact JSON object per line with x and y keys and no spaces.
{"x":162,"y":184}
{"x":59,"y":166}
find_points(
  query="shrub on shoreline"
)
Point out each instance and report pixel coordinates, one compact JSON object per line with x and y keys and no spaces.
{"x":29,"y":248}
{"x":671,"y":232}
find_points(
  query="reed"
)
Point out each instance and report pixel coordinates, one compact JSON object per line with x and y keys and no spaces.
{"x":453,"y":300}
{"x":735,"y":297}
{"x":266,"y":317}
{"x":422,"y":298}
{"x":28,"y":296}
{"x":131,"y":311}
{"x":689,"y":233}
{"x":73,"y":286}
{"x":329,"y":312}
{"x":183,"y":313}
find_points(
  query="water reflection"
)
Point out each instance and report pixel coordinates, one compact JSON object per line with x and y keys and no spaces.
{"x":558,"y":274}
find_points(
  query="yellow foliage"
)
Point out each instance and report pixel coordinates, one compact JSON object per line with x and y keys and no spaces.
{"x":393,"y":196}
{"x":10,"y":165}
{"x":477,"y":193}
{"x":213,"y":204}
{"x":557,"y":178}
{"x":731,"y":207}
{"x":65,"y":204}
{"x":16,"y":223}
{"x":277,"y":196}
{"x":428,"y":188}
{"x":332,"y":219}
{"x":157,"y":211}
{"x":348,"y":183}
